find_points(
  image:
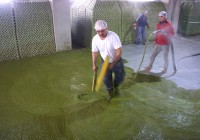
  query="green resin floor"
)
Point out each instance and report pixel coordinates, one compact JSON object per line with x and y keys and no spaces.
{"x":50,"y":98}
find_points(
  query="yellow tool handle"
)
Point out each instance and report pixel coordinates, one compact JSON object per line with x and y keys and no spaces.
{"x":102,"y":74}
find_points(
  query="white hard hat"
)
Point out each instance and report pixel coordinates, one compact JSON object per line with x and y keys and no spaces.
{"x":163,"y":13}
{"x":100,"y":25}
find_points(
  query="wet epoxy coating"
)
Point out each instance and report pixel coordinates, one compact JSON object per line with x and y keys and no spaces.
{"x":49,"y":97}
{"x":188,"y":68}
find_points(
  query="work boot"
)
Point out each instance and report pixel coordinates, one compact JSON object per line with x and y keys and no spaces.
{"x":116,"y":91}
{"x":109,"y":94}
{"x":164,"y":71}
{"x":147,"y":69}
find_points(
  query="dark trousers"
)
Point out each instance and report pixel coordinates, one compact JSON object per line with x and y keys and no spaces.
{"x":140,"y":32}
{"x":119,"y":75}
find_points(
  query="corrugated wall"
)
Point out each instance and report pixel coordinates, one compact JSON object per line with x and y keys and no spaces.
{"x":110,"y":12}
{"x":34,"y":24}
{"x":118,"y":14}
{"x":121,"y":14}
{"x":26,"y":29}
{"x":189,"y":18}
{"x":81,"y":24}
{"x":8,"y":47}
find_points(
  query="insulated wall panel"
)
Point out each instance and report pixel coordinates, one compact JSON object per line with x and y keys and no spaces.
{"x":34,"y":25}
{"x":8,"y":47}
{"x":81,"y":24}
{"x":189,"y":18}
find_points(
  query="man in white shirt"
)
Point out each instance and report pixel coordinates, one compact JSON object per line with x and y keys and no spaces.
{"x":107,"y":43}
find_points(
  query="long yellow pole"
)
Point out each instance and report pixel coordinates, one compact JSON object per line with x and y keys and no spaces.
{"x":102,"y":74}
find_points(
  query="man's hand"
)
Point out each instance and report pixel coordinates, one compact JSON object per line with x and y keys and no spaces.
{"x":110,"y":66}
{"x":94,"y":68}
{"x":118,"y":54}
{"x":94,"y":60}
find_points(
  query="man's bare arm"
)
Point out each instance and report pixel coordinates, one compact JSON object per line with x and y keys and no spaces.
{"x":94,"y":60}
{"x":118,"y":54}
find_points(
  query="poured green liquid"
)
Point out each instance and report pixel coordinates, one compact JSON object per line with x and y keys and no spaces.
{"x":50,"y":98}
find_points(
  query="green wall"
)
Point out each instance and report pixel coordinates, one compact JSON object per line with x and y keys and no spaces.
{"x":118,"y":14}
{"x":26,"y":29}
{"x":189,"y":18}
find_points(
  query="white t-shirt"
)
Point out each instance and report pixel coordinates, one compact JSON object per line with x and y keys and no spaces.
{"x":107,"y":46}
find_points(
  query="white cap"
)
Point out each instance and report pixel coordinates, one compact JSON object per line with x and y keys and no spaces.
{"x":100,"y":25}
{"x":146,"y":12}
{"x":163,"y":13}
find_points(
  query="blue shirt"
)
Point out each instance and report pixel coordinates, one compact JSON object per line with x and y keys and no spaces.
{"x":142,"y":21}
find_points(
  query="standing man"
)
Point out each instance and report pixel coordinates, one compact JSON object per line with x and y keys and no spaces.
{"x":141,"y":24}
{"x":107,"y":43}
{"x":162,"y":41}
